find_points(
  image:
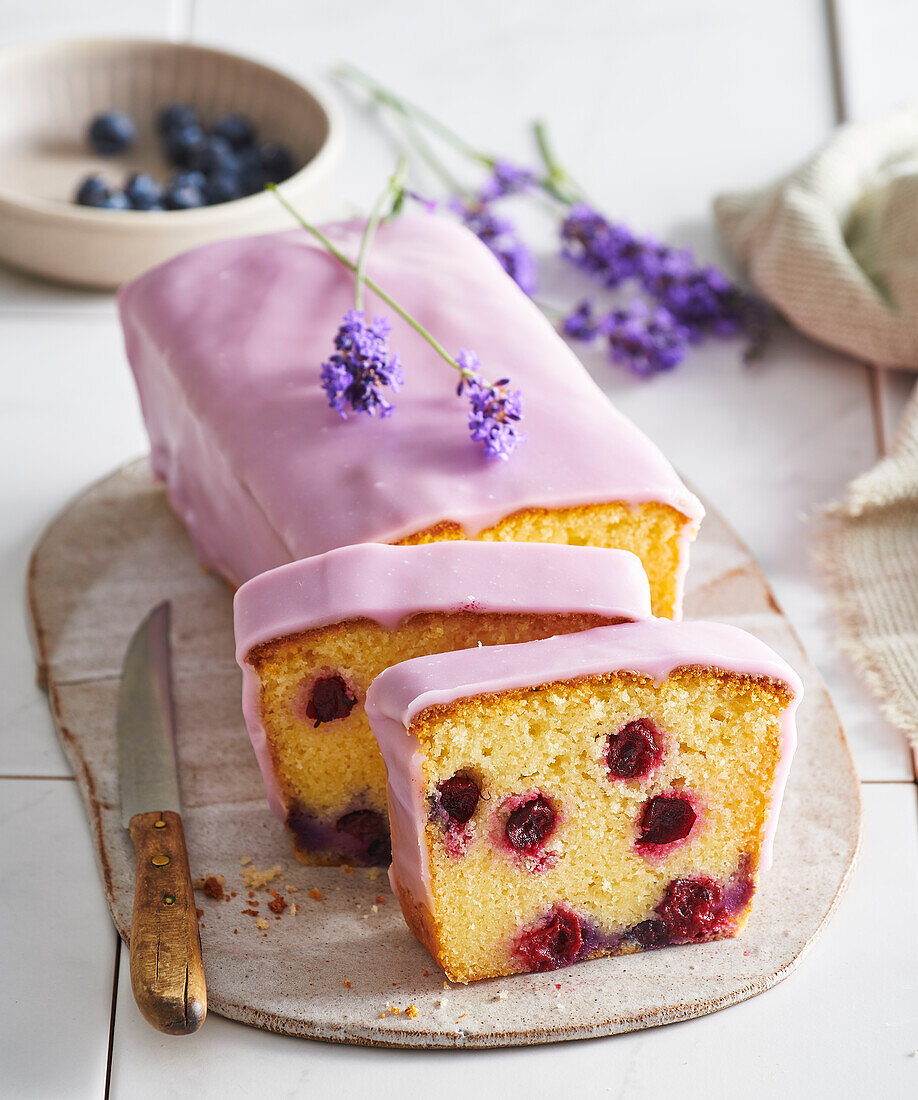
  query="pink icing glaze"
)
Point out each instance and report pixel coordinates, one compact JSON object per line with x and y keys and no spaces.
{"x":652,"y":648}
{"x":226,"y":343}
{"x":388,"y":583}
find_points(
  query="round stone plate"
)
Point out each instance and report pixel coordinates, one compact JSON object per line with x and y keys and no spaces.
{"x":339,"y":967}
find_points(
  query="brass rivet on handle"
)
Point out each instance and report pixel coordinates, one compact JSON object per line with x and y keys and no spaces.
{"x":160,"y":861}
{"x":159,"y":824}
{"x":168,"y":899}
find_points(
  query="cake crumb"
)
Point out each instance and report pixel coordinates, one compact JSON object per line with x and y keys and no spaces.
{"x":293,"y":889}
{"x":255,"y":879}
{"x":411,"y":1011}
{"x":197,"y":883}
{"x":426,"y":973}
{"x":199,"y":913}
{"x":213,"y":886}
{"x":315,"y":894}
{"x":261,"y":923}
{"x":235,"y":931}
{"x":294,"y":909}
{"x":372,"y":873}
{"x":278,"y":903}
{"x":374,"y":908}
{"x":245,"y":861}
{"x":500,"y":995}
{"x":250,"y":912}
{"x":380,"y":900}
{"x":347,"y":868}
{"x":346,"y":984}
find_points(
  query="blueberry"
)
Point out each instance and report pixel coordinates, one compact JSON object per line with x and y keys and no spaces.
{"x":215,"y":155}
{"x":117,"y":200}
{"x":236,"y":129}
{"x":112,"y":133}
{"x":93,"y":191}
{"x":184,"y":191}
{"x":252,"y":176}
{"x":143,"y":191}
{"x":183,"y":145}
{"x":276,"y":161}
{"x":188,"y":179}
{"x":176,"y":117}
{"x":222,"y":187}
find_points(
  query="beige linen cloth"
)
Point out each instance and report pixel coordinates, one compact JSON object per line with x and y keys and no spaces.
{"x":834,"y":246}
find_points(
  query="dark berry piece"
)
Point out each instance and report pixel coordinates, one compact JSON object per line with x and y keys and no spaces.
{"x":651,"y":933}
{"x":183,"y":145}
{"x":634,"y":751}
{"x":692,"y":908}
{"x":276,"y":161}
{"x":93,"y":191}
{"x":185,"y":191}
{"x":117,"y":200}
{"x":529,"y":825}
{"x":458,"y":796}
{"x":144,"y":192}
{"x":236,"y":129}
{"x":331,"y":699}
{"x":222,"y":187}
{"x":112,"y":133}
{"x":370,"y":830}
{"x":666,"y":818}
{"x":555,"y":942}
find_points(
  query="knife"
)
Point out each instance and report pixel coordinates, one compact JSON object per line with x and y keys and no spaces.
{"x":167,"y":972}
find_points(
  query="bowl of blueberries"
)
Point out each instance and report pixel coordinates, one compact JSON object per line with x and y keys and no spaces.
{"x":117,"y":154}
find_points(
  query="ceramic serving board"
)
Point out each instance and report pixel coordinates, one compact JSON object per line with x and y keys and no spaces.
{"x":341,"y":965}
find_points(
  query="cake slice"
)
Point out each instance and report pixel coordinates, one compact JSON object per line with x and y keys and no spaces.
{"x":311,"y":636}
{"x":595,"y":794}
{"x":226,"y":343}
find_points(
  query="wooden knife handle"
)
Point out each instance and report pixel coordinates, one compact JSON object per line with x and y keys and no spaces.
{"x":167,"y":972}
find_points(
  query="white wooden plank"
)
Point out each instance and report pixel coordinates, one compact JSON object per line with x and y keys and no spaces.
{"x":655,"y":106}
{"x":69,"y":414}
{"x":844,"y":1024}
{"x":877,"y":40}
{"x":43,"y":19}
{"x":58,"y":946}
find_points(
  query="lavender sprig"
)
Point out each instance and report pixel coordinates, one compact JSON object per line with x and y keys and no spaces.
{"x":500,"y":235}
{"x":363,"y":363}
{"x":647,"y":341}
{"x":495,"y":409}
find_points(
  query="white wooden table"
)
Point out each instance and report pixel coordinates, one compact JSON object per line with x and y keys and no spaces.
{"x":656,"y":107}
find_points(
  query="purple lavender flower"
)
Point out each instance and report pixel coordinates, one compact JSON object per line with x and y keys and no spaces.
{"x":495,"y":411}
{"x":609,"y":252}
{"x":507,"y":179}
{"x":581,"y":323}
{"x":499,"y":234}
{"x":702,"y":298}
{"x":647,"y":341}
{"x":363,"y":363}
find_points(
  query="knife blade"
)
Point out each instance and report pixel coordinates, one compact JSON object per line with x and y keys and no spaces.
{"x":167,"y":972}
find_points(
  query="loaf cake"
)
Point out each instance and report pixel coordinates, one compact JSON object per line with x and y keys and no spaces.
{"x":592,"y":794}
{"x":226,"y":343}
{"x":312,"y":635}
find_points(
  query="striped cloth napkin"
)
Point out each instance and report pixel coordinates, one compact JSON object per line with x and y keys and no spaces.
{"x":834,"y":247}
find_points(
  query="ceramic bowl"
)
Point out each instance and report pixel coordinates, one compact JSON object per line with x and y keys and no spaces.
{"x":50,"y":92}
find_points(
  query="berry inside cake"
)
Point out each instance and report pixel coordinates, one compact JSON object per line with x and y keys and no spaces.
{"x":594,"y":794}
{"x":311,"y":637}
